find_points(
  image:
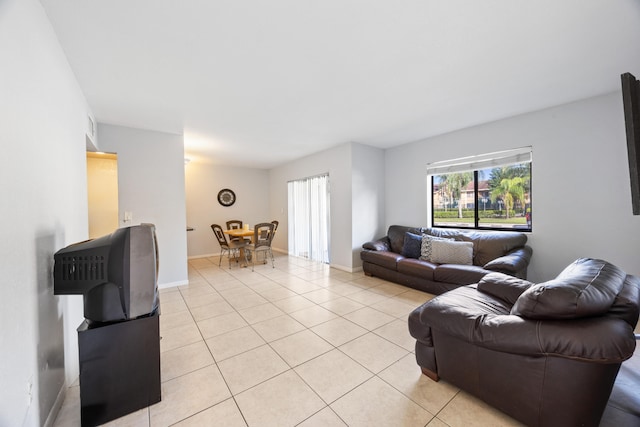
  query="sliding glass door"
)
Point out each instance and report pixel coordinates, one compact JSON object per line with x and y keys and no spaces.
{"x":309,"y":218}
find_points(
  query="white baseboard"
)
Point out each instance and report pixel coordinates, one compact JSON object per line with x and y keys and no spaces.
{"x":279,"y":250}
{"x":57,"y":405}
{"x":202,"y":256}
{"x":172,"y":284}
{"x":347,"y":269}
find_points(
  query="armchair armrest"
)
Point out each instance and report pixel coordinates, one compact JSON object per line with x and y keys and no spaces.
{"x":602,"y":339}
{"x":511,"y":263}
{"x":381,"y":244}
{"x":595,"y":339}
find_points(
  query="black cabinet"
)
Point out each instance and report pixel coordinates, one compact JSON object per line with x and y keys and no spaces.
{"x":119,"y":368}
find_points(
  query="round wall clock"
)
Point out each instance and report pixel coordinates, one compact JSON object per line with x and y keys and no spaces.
{"x":226,"y":197}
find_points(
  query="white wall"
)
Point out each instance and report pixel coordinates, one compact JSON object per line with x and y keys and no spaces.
{"x":203,"y":182}
{"x":356,"y":179}
{"x":102,"y":189}
{"x":337,"y":162}
{"x":581,"y":193}
{"x":151,"y":187}
{"x":44,"y":208}
{"x":368,"y":197}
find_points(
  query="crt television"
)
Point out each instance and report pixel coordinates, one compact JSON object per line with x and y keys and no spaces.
{"x":116,"y":274}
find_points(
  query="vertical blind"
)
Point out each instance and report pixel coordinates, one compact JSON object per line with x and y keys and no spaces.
{"x":309,"y":218}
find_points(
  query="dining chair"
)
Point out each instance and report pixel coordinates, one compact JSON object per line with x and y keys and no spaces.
{"x":262,"y":237}
{"x":230,"y":248}
{"x":236,"y":224}
{"x":275,"y":227}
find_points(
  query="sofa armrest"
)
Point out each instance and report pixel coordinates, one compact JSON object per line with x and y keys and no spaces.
{"x":381,"y":244}
{"x":504,"y":286}
{"x":515,"y":261}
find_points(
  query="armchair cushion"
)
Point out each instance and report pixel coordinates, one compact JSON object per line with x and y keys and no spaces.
{"x":585,"y":288}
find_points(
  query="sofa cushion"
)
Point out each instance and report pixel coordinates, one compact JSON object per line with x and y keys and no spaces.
{"x":444,"y":233}
{"x":417,"y":268}
{"x":503,"y":286}
{"x":588,"y":287}
{"x":411,"y":246}
{"x":451,"y":252}
{"x":459,"y":274}
{"x":488,"y":246}
{"x":396,"y":236}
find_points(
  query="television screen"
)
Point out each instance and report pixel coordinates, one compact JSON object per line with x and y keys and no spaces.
{"x":116,"y":274}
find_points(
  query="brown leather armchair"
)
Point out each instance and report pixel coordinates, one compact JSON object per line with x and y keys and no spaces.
{"x":546,"y":354}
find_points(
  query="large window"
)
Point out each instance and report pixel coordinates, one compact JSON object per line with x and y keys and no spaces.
{"x":492,"y":191}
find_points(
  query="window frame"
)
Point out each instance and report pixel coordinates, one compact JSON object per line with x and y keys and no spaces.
{"x":476,"y":202}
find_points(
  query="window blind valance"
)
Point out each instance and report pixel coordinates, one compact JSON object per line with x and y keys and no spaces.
{"x":481,"y":161}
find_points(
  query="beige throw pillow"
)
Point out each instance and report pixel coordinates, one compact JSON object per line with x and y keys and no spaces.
{"x":451,"y":252}
{"x":425,"y":248}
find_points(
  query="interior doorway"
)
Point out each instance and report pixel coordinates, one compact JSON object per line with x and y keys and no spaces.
{"x":102,"y":192}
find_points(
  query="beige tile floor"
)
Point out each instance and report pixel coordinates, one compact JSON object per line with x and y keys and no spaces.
{"x":297,"y":345}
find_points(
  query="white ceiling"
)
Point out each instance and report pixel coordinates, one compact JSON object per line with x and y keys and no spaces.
{"x":259,"y":83}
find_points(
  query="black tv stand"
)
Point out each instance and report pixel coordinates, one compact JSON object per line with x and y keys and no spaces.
{"x":119,"y":368}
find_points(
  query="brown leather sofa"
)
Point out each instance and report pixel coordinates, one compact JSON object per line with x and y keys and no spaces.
{"x":546,"y":354}
{"x":493,"y":251}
